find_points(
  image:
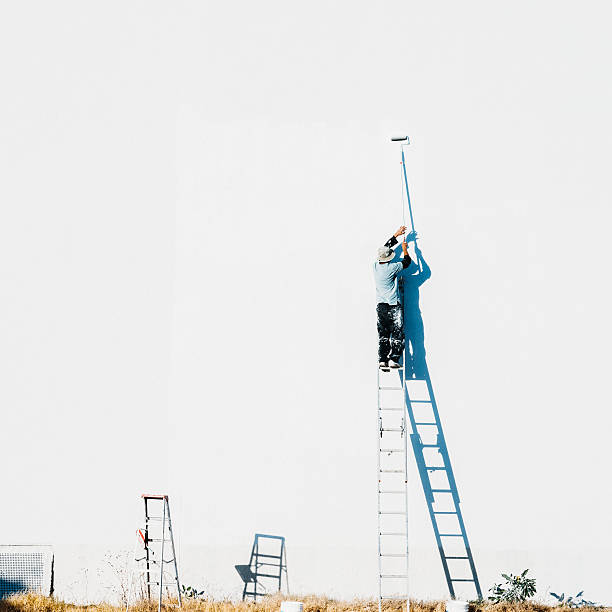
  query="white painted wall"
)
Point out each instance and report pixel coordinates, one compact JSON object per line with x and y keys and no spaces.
{"x":192,"y":195}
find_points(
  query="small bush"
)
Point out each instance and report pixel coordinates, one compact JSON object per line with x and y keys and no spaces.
{"x":574,"y":601}
{"x":514,"y":590}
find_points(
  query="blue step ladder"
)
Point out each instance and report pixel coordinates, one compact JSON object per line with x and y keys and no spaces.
{"x":439,"y":486}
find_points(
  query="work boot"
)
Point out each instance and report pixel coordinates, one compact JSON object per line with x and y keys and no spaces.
{"x":382,"y":365}
{"x":394,"y":364}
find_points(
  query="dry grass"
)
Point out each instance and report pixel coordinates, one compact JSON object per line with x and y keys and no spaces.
{"x":37,"y":603}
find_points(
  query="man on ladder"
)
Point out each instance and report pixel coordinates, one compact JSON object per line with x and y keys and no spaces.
{"x":388,"y":305}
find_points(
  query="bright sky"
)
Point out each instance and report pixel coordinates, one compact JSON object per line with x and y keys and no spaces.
{"x":192,"y":197}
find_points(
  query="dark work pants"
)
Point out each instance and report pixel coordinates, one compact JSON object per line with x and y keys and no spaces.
{"x":390,"y":325}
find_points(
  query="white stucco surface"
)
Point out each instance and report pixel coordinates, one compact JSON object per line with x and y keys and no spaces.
{"x":192,"y":196}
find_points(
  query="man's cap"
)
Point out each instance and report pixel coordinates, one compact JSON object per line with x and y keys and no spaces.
{"x":385,"y":254}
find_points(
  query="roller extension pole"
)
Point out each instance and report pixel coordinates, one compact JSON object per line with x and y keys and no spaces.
{"x":404,"y":140}
{"x":407,"y":191}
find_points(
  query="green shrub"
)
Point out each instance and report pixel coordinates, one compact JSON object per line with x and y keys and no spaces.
{"x":515,"y":589}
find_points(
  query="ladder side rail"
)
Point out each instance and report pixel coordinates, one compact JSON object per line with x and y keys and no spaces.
{"x":176,"y":572}
{"x":161,"y":560}
{"x":379,"y":482}
{"x":256,"y":554}
{"x":284,"y":553}
{"x":402,"y":377}
{"x":147,"y":552}
{"x":280,"y":567}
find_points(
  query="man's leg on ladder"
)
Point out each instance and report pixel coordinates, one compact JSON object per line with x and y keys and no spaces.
{"x":397,"y":332}
{"x":383,"y":323}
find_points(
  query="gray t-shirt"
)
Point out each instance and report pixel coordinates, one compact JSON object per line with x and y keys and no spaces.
{"x":386,"y":276}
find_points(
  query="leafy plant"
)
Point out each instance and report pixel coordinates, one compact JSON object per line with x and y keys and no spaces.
{"x":575,"y":601}
{"x":190,"y":593}
{"x":515,"y":589}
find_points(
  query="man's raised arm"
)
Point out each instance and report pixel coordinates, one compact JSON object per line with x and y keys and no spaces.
{"x":393,"y":240}
{"x":406,"y":260}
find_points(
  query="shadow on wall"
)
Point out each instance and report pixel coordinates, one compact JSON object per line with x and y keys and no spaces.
{"x":415,"y":275}
{"x":412,"y":278}
{"x":427,"y":437}
{"x":8,"y":588}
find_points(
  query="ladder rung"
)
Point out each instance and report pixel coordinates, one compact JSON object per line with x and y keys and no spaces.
{"x":441,"y":490}
{"x":391,"y":429}
{"x":159,"y":540}
{"x":426,"y":423}
{"x":450,"y":535}
{"x":436,"y":468}
{"x":268,"y":556}
{"x":419,"y":401}
{"x":445,"y":512}
{"x":393,"y":596}
{"x":393,"y":555}
{"x":430,"y":446}
{"x":392,"y":512}
{"x":391,"y":450}
{"x":396,"y":409}
{"x":392,"y":533}
{"x":393,"y":576}
{"x":390,"y":388}
{"x":391,"y":471}
{"x":397,"y":492}
{"x":456,"y":557}
{"x":462,"y":580}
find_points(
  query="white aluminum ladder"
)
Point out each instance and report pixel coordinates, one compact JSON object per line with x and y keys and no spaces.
{"x":154,"y":565}
{"x":392,"y":435}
